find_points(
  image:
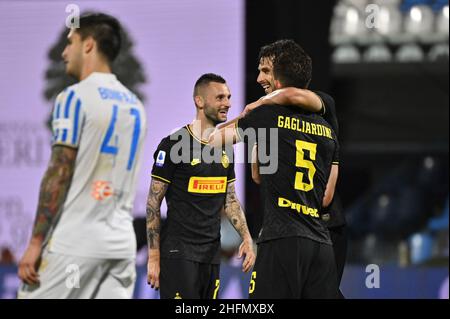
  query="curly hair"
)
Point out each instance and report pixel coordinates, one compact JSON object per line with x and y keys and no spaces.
{"x":292,"y":66}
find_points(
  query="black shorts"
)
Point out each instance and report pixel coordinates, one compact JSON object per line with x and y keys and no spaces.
{"x":339,"y":239}
{"x":294,"y":268}
{"x":187,"y":279}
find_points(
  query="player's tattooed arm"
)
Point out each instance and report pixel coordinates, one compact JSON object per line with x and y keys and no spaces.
{"x":233,"y":211}
{"x":155,"y":196}
{"x":235,"y":214}
{"x":54,"y":188}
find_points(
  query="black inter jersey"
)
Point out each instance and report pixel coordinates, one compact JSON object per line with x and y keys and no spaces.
{"x":334,"y":213}
{"x":198,"y":177}
{"x":304,"y":149}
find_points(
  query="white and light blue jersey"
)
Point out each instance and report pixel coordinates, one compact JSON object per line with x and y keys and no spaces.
{"x":107,"y":124}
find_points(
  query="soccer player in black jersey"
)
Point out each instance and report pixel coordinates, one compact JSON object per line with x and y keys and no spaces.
{"x":198,"y":183}
{"x":295,"y":256}
{"x":314,"y":101}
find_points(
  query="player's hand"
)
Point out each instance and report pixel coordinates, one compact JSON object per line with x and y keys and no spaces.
{"x":246,"y":249}
{"x":29,"y":264}
{"x":153,"y":268}
{"x":250,"y":107}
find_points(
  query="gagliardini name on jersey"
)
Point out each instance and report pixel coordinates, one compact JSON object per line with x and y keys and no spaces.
{"x":302,"y":126}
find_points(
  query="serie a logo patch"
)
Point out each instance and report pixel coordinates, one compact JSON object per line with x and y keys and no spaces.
{"x":160,"y":159}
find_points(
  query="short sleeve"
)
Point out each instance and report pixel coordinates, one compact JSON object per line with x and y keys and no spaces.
{"x":336,"y":154}
{"x":231,"y":173}
{"x":329,"y":110}
{"x":163,"y":166}
{"x":67,"y":120}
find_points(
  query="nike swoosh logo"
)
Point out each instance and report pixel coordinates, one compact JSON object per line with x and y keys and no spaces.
{"x":195,"y":162}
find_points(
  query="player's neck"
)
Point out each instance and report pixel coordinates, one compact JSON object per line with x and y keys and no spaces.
{"x":89,"y":68}
{"x":202,"y":127}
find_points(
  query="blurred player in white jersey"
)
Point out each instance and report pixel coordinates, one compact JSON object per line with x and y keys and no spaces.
{"x":83,"y":243}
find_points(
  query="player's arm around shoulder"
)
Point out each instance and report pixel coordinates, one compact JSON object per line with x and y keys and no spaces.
{"x":225,"y":134}
{"x":302,"y":98}
{"x":305,"y":99}
{"x":235,"y":214}
{"x":156,"y":195}
{"x":53,"y":192}
{"x":235,"y":130}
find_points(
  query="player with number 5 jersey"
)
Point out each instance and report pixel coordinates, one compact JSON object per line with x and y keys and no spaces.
{"x":295,"y":256}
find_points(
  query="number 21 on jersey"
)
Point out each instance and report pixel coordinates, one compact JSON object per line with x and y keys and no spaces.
{"x":112,"y":149}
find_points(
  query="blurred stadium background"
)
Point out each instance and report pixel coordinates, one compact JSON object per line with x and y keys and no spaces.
{"x":386,"y":63}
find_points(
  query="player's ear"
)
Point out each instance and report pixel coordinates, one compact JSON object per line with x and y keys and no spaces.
{"x":88,"y":45}
{"x":199,"y":102}
{"x":278,"y":84}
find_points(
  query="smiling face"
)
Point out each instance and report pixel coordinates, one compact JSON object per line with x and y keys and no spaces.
{"x":265,"y":76}
{"x":215,"y":102}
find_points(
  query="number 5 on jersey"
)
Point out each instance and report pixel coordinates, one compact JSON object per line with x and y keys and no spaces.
{"x":304,"y":163}
{"x":107,"y":148}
